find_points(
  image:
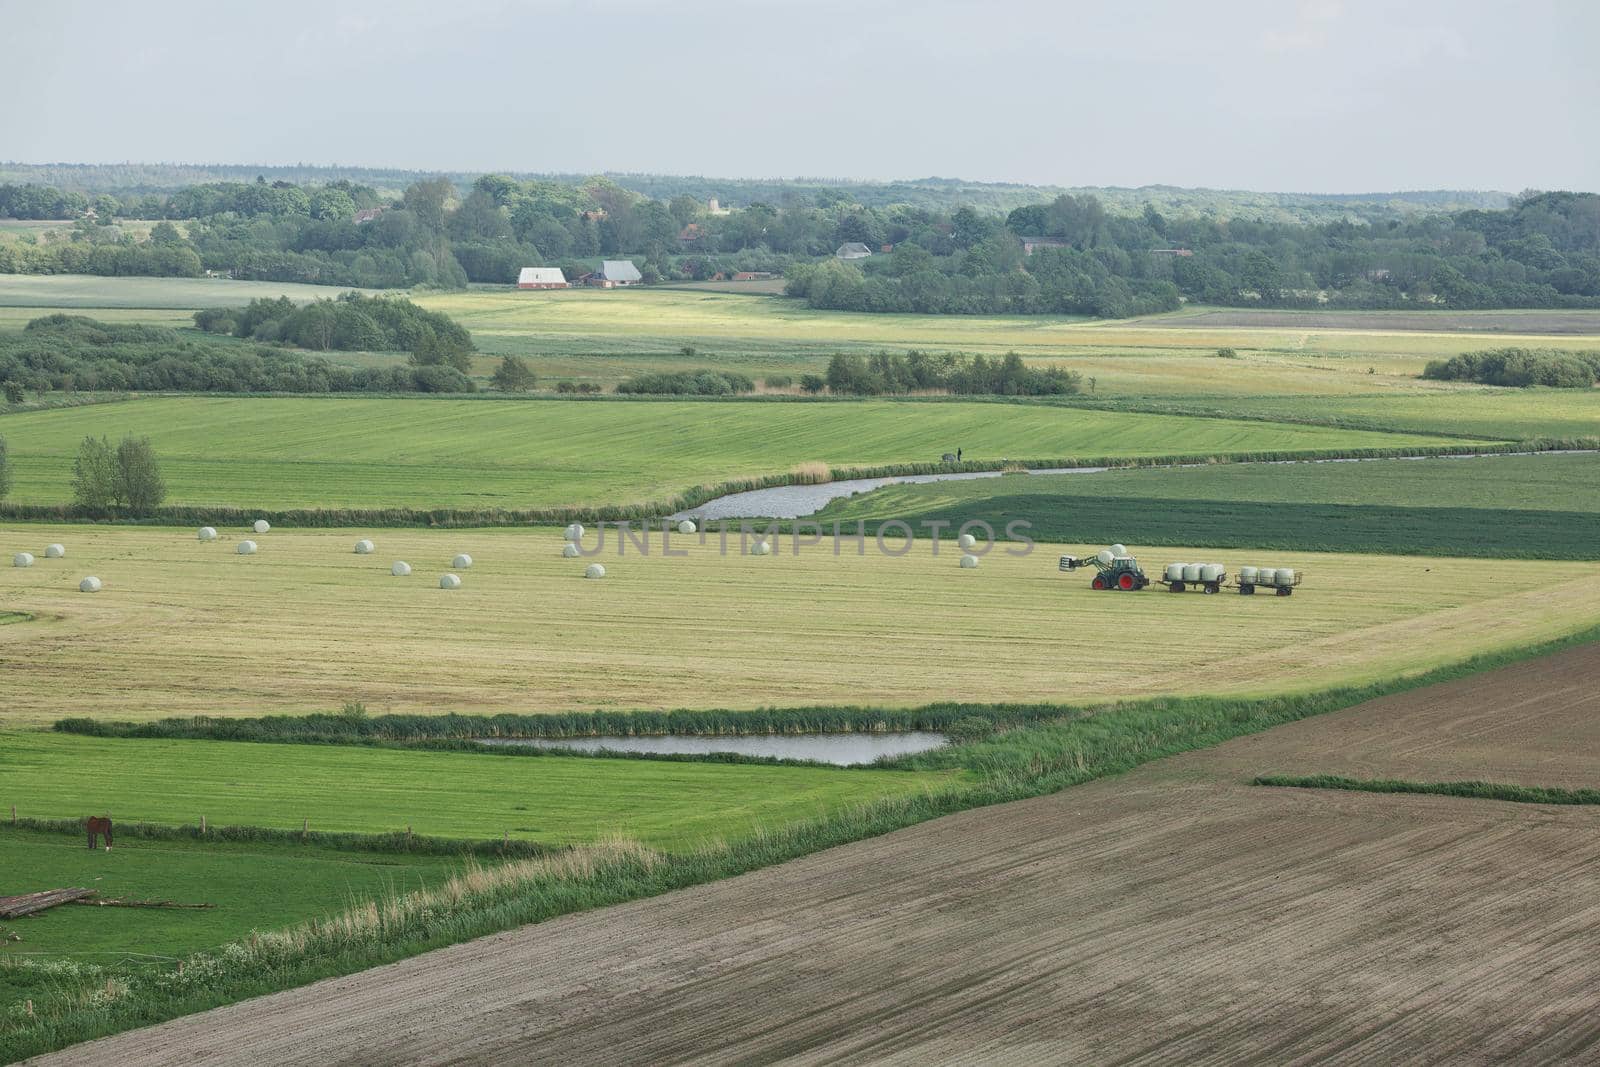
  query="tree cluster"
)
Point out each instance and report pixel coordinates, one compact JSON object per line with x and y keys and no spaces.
{"x":688,"y":383}
{"x":945,"y":372}
{"x":71,"y":352}
{"x":125,"y":478}
{"x":351,"y":323}
{"x":1520,"y":367}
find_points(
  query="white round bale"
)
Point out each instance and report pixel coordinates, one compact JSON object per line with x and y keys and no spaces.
{"x":247,"y":548}
{"x":450,"y":581}
{"x":969,"y":561}
{"x":363,"y":547}
{"x":54,"y":551}
{"x":594,"y":570}
{"x":207,"y":533}
{"x":1104,"y":556}
{"x":400,"y":569}
{"x":569,"y":550}
{"x":90,"y":584}
{"x":261,"y":526}
{"x":967,"y":541}
{"x":575,"y":532}
{"x":686,"y":526}
{"x":22,"y":559}
{"x":461,"y":562}
{"x":1119,"y":550}
{"x":761,"y":548}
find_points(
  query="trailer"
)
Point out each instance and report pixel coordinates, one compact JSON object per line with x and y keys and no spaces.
{"x":1182,"y":577}
{"x":1280,"y":580}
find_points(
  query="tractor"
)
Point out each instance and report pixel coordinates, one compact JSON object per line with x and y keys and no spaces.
{"x":1114,"y":569}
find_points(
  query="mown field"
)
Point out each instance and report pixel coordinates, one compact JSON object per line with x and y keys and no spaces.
{"x":305,"y":625}
{"x":556,"y":800}
{"x":1545,"y":506}
{"x":277,"y":453}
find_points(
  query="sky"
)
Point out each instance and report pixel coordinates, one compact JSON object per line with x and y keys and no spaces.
{"x":1286,"y":96}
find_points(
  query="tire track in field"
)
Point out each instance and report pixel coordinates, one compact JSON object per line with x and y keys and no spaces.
{"x":1172,"y":915}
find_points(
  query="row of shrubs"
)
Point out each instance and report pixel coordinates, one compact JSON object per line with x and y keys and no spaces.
{"x":351,"y":323}
{"x":1520,"y":367}
{"x":688,"y":383}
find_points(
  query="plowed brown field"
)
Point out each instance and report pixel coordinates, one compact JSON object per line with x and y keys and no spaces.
{"x":1173,"y":915}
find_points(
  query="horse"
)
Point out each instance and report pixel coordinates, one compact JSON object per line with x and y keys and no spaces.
{"x":99,"y":824}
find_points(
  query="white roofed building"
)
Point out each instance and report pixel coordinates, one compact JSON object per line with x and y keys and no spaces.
{"x":541,"y":278}
{"x":615,"y":272}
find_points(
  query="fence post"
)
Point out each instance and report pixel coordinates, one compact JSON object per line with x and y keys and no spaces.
{"x":305,"y":828}
{"x":202,"y":825}
{"x":13,"y":823}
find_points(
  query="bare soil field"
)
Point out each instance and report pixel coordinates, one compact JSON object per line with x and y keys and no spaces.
{"x":1176,"y":915}
{"x":1520,"y":322}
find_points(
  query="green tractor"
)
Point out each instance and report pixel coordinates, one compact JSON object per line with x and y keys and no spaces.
{"x":1114,"y":569}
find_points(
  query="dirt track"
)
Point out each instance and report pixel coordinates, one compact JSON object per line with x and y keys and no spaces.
{"x":1173,"y":915}
{"x":1509,"y":322}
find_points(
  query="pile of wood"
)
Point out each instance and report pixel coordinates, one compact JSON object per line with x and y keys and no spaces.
{"x":28,"y":903}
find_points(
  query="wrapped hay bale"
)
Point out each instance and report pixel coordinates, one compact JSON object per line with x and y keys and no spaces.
{"x":594,"y":570}
{"x":22,"y":559}
{"x":1119,"y":550}
{"x":400,"y":569}
{"x":261,"y":526}
{"x":207,"y":533}
{"x":967,"y":541}
{"x":761,"y":548}
{"x":575,"y":532}
{"x":364,"y":547}
{"x":687,"y":526}
{"x":247,"y":548}
{"x":969,"y":561}
{"x":54,"y":551}
{"x":569,"y":550}
{"x":450,"y":581}
{"x":461,"y":562}
{"x":90,"y":584}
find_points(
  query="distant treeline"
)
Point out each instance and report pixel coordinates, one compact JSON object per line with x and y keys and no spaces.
{"x":890,"y":372}
{"x":71,"y":352}
{"x":1560,"y":368}
{"x":1071,"y":254}
{"x":352,"y":323}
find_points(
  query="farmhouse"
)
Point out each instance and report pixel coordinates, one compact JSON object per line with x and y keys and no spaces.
{"x":752,"y":276}
{"x":1031,"y":243}
{"x":366,"y":214}
{"x":541,"y":278}
{"x":614,"y":273}
{"x":853,"y":250}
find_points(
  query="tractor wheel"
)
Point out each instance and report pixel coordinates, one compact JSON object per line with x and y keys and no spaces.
{"x":1098,"y":583}
{"x":1247,"y":590}
{"x":1176,"y":587}
{"x":1125,"y":582}
{"x":1284,"y":590}
{"x":1212,"y":587}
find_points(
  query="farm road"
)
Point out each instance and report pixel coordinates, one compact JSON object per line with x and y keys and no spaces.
{"x":1175,"y":914}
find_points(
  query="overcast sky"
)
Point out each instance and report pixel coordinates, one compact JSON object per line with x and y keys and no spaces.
{"x":1313,"y":96}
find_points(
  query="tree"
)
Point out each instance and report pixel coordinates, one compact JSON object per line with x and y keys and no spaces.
{"x":14,"y":391}
{"x":513,"y":376}
{"x":812,"y":383}
{"x":139,"y":484}
{"x":5,"y":470}
{"x":94,"y":475}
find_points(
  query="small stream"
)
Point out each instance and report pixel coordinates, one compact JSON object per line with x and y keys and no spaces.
{"x":802,"y":501}
{"x":843,"y":750}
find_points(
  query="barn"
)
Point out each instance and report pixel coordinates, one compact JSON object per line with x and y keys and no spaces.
{"x":614,"y":273}
{"x":541,"y":278}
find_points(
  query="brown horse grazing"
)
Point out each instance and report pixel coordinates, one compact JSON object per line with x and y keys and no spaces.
{"x":99,"y":824}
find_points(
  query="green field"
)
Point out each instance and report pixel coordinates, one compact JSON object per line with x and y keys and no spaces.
{"x":254,"y":885}
{"x":556,"y":800}
{"x":185,"y":628}
{"x":1545,"y":506}
{"x":428,"y":453}
{"x":44,"y":293}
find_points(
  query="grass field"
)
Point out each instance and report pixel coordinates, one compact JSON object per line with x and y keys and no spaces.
{"x":255,"y":885}
{"x":1546,"y":506}
{"x":305,"y":625}
{"x":603,"y":337}
{"x":287,"y":453}
{"x":551,"y":799}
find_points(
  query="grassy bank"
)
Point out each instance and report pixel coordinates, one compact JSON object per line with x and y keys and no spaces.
{"x":1021,"y":763}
